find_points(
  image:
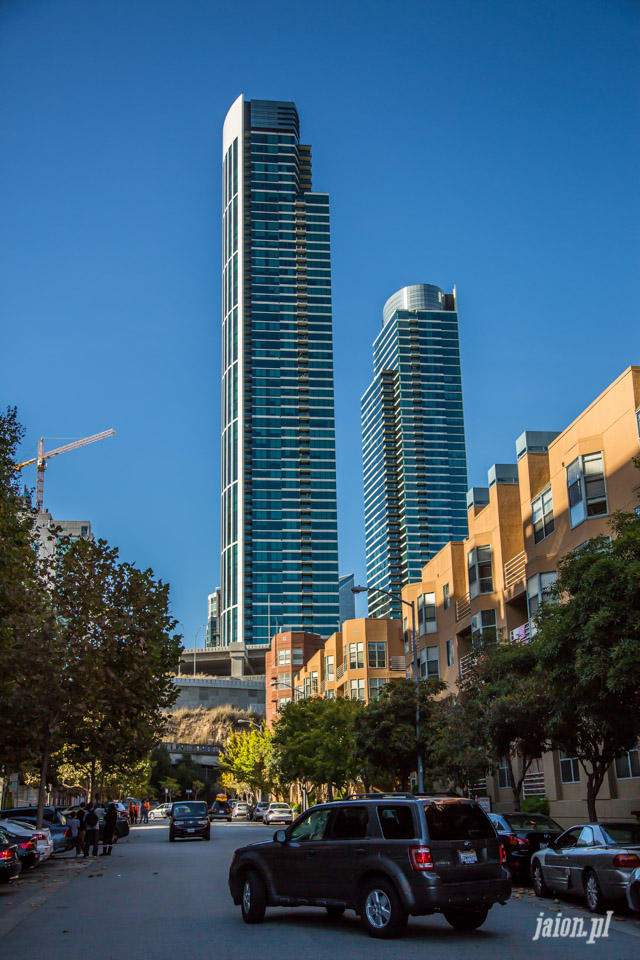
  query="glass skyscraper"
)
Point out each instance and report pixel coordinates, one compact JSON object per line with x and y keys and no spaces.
{"x":279,"y":539}
{"x":415,"y":466}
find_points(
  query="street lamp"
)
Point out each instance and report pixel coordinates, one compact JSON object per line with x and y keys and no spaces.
{"x":258,"y":726}
{"x":202,"y":626}
{"x":409,"y":603}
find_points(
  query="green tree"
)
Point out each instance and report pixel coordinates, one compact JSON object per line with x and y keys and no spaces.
{"x":313,"y":741}
{"x":246,"y":759}
{"x":170,"y":787}
{"x":588,"y":648}
{"x":505,"y":701}
{"x":385,"y":742}
{"x":198,"y":787}
{"x":458,"y":755}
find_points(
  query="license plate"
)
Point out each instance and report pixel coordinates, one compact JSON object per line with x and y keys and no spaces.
{"x":191,"y":829}
{"x":468,"y":856}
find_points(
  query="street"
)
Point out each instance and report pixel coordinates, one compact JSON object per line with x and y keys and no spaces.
{"x":153,"y":900}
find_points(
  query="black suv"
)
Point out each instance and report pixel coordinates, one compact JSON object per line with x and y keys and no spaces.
{"x":189,"y":819}
{"x":386,"y":856}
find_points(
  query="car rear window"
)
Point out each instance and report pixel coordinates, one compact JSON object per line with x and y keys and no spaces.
{"x":396,"y":822}
{"x":624,"y":833}
{"x":457,"y":820}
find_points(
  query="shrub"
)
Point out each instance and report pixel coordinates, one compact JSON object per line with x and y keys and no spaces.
{"x":535,"y":805}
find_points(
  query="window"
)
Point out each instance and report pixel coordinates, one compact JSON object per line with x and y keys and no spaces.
{"x":356,"y":689}
{"x":283,"y":701}
{"x":405,"y":631}
{"x":586,"y":488}
{"x":312,"y":827}
{"x":396,"y":822}
{"x":297,"y":655}
{"x":329,"y":694}
{"x":429,"y":662}
{"x":504,"y":774}
{"x":569,"y":768}
{"x":329,"y":668}
{"x":377,"y":654}
{"x":446,"y":596}
{"x":349,"y":823}
{"x":450,"y":653}
{"x":484,"y":623}
{"x":538,"y":590}
{"x":628,"y":765}
{"x":375,"y":686}
{"x":356,"y":656}
{"x":457,"y":820}
{"x":480,"y":571}
{"x":284,"y":657}
{"x":542,"y":513}
{"x":284,"y":680}
{"x":427,"y":614}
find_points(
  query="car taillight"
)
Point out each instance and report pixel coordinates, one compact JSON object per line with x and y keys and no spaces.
{"x":6,"y":854}
{"x":514,"y":841}
{"x":27,"y":845}
{"x":421,"y":858}
{"x":626,"y":860}
{"x":67,"y":832}
{"x":39,"y":836}
{"x":503,"y":854}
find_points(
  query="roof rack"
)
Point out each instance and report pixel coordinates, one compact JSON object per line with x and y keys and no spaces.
{"x":402,"y":795}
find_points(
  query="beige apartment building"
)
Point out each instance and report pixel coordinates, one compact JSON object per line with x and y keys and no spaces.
{"x":559,"y":494}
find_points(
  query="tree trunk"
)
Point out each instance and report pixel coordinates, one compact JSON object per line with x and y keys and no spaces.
{"x":44,"y":772}
{"x":516,"y":786}
{"x":329,"y":792}
{"x":92,"y":780}
{"x":595,"y":777}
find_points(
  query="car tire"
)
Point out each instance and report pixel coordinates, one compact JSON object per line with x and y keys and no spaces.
{"x":381,"y":911}
{"x":207,"y":835}
{"x":254,"y":897}
{"x":593,"y":893}
{"x":537,"y":879}
{"x":172,"y":838}
{"x":335,"y":912}
{"x":466,"y":919}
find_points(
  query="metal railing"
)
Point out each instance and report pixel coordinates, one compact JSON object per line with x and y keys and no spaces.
{"x":533,"y":784}
{"x":463,"y":606}
{"x":340,"y":671}
{"x":467,"y":664}
{"x":397,"y":664}
{"x":521,"y":634}
{"x":514,"y":569}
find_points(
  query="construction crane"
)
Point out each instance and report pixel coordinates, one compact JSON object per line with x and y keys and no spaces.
{"x":42,"y":458}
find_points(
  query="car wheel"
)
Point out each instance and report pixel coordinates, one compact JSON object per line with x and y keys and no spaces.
{"x":335,"y":912}
{"x":466,"y":919}
{"x":538,"y":881}
{"x":593,"y":893}
{"x":381,"y":910}
{"x":254,"y":898}
{"x":207,"y":834}
{"x":172,"y":837}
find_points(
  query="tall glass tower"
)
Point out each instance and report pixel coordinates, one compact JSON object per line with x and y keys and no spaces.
{"x":279,"y":549}
{"x":415,"y":465}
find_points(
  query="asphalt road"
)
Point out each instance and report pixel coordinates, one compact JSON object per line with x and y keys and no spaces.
{"x":153,"y":900}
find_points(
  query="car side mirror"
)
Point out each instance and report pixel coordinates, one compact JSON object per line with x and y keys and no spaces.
{"x":280,"y":836}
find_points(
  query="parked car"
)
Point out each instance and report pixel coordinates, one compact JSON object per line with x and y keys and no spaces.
{"x":259,"y":810}
{"x":189,"y":819}
{"x":633,"y":890}
{"x":49,"y":814}
{"x":22,"y":837}
{"x":10,"y":865}
{"x":590,"y":860}
{"x":385,"y":856}
{"x":42,"y":836}
{"x":161,"y":812}
{"x":522,"y":834}
{"x":220,"y":810}
{"x":60,"y":832}
{"x":278,"y":813}
{"x":122,"y":823}
{"x":240,"y":811}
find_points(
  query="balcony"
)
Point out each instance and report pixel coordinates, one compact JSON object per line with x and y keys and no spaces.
{"x":463,"y":606}
{"x":533,"y":784}
{"x":521,"y":634}
{"x":340,"y":671}
{"x":467,"y":664}
{"x":396,"y":664}
{"x":514,"y":570}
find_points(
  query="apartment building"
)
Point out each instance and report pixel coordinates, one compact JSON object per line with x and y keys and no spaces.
{"x":289,"y":651}
{"x":560,"y":493}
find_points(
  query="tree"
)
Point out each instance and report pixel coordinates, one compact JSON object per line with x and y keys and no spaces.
{"x":588,"y":647}
{"x":458,"y":755}
{"x":385,"y":744}
{"x":245,"y":759}
{"x":505,"y":701}
{"x":170,"y":787}
{"x":197,"y":785}
{"x":312,"y":741}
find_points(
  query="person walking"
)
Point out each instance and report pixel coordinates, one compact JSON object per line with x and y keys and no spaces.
{"x":91,"y":840}
{"x":132,"y":812}
{"x":74,"y":826}
{"x":109,"y":829}
{"x":82,"y":827}
{"x":144,"y":812}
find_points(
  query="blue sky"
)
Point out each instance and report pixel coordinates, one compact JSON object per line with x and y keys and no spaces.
{"x":490,"y":144}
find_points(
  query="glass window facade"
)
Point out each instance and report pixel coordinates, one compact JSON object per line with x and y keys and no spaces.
{"x":279,"y":550}
{"x":586,"y":488}
{"x":542,"y":514}
{"x":415,"y":467}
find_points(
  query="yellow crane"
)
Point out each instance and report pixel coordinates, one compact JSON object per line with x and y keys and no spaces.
{"x":42,"y":458}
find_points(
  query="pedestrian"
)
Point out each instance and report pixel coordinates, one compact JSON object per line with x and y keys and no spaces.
{"x":145,"y":812}
{"x":132,"y":813}
{"x":91,"y":840}
{"x":109,"y":829}
{"x":82,"y":827}
{"x":74,"y":826}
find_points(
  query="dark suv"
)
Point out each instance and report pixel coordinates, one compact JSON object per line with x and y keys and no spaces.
{"x":386,"y":856}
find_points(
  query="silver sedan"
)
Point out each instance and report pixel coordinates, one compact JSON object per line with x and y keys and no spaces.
{"x":591,"y":860}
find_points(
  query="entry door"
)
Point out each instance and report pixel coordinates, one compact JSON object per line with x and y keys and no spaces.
{"x":296,"y":863}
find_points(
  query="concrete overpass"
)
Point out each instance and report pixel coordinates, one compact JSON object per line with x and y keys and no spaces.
{"x":236,"y":660}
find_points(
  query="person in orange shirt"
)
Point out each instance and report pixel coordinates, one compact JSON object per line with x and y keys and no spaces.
{"x":144,"y":812}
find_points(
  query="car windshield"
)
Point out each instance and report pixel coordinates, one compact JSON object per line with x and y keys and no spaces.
{"x":457,"y":820}
{"x":621,"y":833}
{"x":532,"y":822}
{"x":190,"y":809}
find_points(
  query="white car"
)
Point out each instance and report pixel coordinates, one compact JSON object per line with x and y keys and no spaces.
{"x":161,"y":812}
{"x":240,"y":811}
{"x":42,"y":836}
{"x":278,"y":812}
